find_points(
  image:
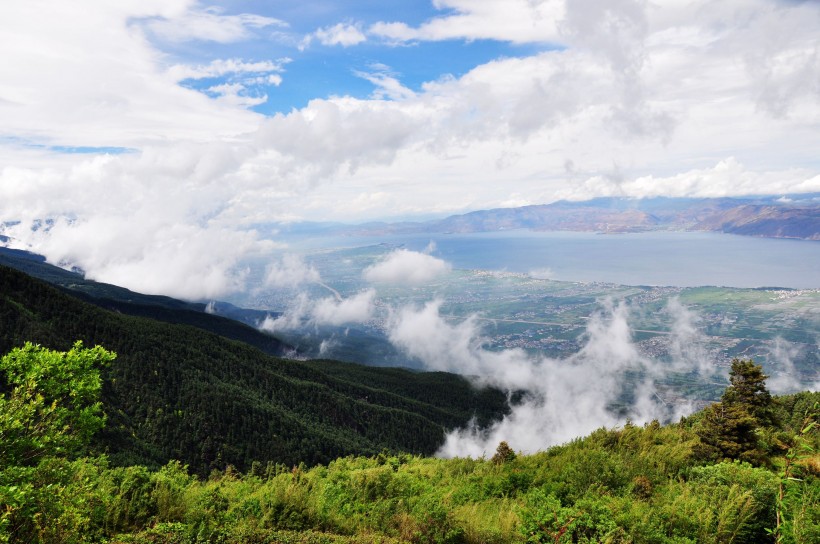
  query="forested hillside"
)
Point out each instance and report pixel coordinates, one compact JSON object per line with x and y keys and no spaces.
{"x":677,"y":484}
{"x":160,"y":308}
{"x":177,"y":392}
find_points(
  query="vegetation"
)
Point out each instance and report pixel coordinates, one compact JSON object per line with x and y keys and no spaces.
{"x":184,"y":437}
{"x":179,"y":393}
{"x":159,"y":308}
{"x":635,"y":484}
{"x":729,"y":428}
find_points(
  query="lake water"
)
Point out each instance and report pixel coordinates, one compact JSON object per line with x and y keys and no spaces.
{"x":684,"y":259}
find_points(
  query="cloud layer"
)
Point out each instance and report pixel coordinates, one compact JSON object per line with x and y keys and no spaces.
{"x":406,"y":267}
{"x":334,"y":311}
{"x":564,"y":398}
{"x":608,"y":98}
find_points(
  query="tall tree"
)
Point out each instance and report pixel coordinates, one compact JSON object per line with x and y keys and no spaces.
{"x":748,"y":391}
{"x":729,"y":428}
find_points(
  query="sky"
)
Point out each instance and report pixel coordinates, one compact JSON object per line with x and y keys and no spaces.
{"x":151,"y":142}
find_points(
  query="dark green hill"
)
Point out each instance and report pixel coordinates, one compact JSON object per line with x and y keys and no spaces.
{"x":178,"y":392}
{"x":231,"y":322}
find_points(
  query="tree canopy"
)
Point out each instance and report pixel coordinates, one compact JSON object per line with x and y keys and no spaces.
{"x":729,"y":428}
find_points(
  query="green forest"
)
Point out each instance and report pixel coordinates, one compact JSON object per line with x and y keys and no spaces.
{"x":119,"y":429}
{"x":177,"y":392}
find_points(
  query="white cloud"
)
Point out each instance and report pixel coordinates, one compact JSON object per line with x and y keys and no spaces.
{"x":517,"y":21}
{"x":402,"y":266}
{"x":293,"y":318}
{"x":98,"y":81}
{"x":334,"y":311}
{"x":356,"y":309}
{"x":566,"y":398}
{"x":784,"y":378}
{"x":387,"y":86}
{"x":342,"y":34}
{"x":680,"y":99}
{"x":221,"y":67}
{"x":687,"y":346}
{"x":235,"y":94}
{"x":208,"y":24}
{"x":290,"y":271}
{"x":728,"y":177}
{"x":165,"y":258}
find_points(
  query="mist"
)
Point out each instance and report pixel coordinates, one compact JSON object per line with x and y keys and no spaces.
{"x":606,"y":383}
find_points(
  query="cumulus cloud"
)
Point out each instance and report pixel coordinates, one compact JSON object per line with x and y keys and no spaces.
{"x":677,"y":99}
{"x":517,"y":21}
{"x":726,"y":178}
{"x":343,"y":34}
{"x":290,"y":271}
{"x":564,"y":398}
{"x":687,"y":346}
{"x":334,"y":311}
{"x":355,"y":309}
{"x":292,"y":318}
{"x":178,"y":259}
{"x":403,"y":266}
{"x":99,"y":81}
{"x":387,"y":85}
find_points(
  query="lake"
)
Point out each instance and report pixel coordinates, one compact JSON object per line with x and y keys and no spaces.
{"x":684,"y":259}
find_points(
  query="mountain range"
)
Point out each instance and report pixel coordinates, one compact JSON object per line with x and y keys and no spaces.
{"x":772,"y":217}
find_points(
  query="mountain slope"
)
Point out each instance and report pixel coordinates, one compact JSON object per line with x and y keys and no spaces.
{"x":177,"y":392}
{"x":768,"y":221}
{"x":233,"y":323}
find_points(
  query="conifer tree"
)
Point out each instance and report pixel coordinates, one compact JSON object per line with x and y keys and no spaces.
{"x":729,"y":428}
{"x":503,"y":453}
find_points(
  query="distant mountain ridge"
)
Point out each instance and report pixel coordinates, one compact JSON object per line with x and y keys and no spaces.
{"x":771,"y":217}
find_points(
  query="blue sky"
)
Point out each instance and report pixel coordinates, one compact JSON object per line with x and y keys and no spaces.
{"x":211,"y":118}
{"x":320,"y":70}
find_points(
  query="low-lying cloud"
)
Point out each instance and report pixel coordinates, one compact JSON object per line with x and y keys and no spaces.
{"x":290,"y":271}
{"x":784,"y":378}
{"x":565,"y":398}
{"x":403,"y":266}
{"x":354,"y":309}
{"x":334,"y":310}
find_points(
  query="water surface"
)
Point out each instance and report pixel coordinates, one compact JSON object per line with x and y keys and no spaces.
{"x":683,"y":259}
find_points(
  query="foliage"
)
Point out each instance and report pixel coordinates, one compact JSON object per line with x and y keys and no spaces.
{"x":177,"y":392}
{"x":49,"y":410}
{"x":52,"y":403}
{"x":634,"y":484}
{"x":798,"y":503}
{"x":642,"y":484}
{"x":503,"y":454}
{"x":729,"y":429}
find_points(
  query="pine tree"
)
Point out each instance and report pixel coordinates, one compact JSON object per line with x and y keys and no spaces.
{"x":729,"y":428}
{"x":503,"y":453}
{"x":748,"y":390}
